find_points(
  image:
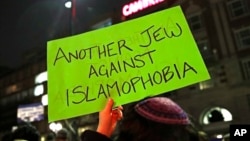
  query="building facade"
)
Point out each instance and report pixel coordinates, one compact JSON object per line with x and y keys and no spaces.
{"x":221,"y":29}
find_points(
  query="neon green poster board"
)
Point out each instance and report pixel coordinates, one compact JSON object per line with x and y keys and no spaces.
{"x":128,"y":62}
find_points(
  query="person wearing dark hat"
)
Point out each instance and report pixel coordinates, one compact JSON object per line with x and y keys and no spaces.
{"x":63,"y":135}
{"x":50,"y":136}
{"x":26,"y":132}
{"x":155,"y":118}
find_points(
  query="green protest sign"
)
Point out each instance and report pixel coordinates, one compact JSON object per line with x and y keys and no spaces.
{"x":128,"y":61}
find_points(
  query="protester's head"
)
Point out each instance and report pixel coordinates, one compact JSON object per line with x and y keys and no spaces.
{"x":26,"y":132}
{"x":63,"y":135}
{"x":50,"y":136}
{"x":156,"y":118}
{"x":162,"y":110}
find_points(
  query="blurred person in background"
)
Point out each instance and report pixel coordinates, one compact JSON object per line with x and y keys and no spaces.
{"x":63,"y":135}
{"x":26,"y":132}
{"x":50,"y":136}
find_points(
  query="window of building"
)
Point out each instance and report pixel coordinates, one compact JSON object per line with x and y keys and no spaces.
{"x":45,"y":100}
{"x":18,"y":97}
{"x":38,"y":90}
{"x":12,"y":89}
{"x":31,"y":92}
{"x":246,"y":68}
{"x":205,"y":50}
{"x":238,"y":8}
{"x":221,"y":74}
{"x":24,"y":94}
{"x":41,"y":77}
{"x":243,"y":38}
{"x":195,"y":22}
{"x":208,"y":83}
{"x":216,"y":114}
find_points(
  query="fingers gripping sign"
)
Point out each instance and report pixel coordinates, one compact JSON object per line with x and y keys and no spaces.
{"x":108,"y":118}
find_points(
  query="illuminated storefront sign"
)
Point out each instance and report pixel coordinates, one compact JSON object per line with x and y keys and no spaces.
{"x":30,"y":112}
{"x":138,"y":5}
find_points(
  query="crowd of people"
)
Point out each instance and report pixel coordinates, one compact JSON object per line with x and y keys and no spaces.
{"x":28,"y":132}
{"x":151,"y":119}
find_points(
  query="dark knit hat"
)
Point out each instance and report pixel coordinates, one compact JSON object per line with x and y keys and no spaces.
{"x":163,"y":110}
{"x":62,"y":134}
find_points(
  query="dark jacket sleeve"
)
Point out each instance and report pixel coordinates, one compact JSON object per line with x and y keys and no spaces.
{"x":89,"y":135}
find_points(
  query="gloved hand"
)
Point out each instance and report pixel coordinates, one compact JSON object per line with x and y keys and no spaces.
{"x":108,"y":118}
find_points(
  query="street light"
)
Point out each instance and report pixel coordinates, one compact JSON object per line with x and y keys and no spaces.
{"x":44,"y":100}
{"x":55,"y":126}
{"x":72,"y":5}
{"x":68,"y":4}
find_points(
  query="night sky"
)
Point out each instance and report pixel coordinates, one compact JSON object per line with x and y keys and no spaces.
{"x":25,"y":25}
{"x":28,"y":24}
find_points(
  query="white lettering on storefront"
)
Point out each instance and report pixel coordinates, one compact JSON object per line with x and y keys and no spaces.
{"x":138,"y":5}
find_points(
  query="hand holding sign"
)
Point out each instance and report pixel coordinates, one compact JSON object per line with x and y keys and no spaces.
{"x":157,"y":56}
{"x":108,"y":118}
